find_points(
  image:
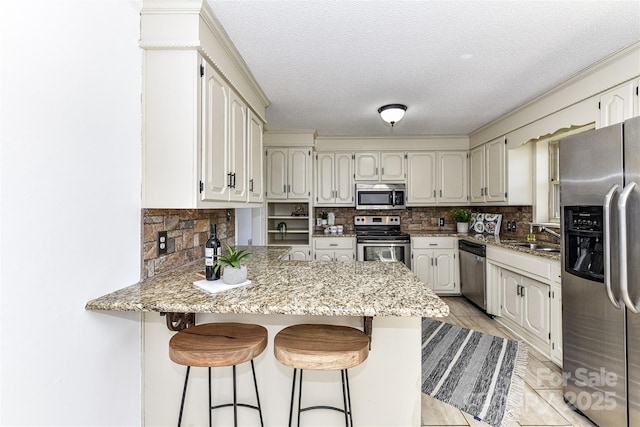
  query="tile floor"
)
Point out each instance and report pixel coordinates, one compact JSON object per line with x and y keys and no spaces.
{"x":543,"y":405}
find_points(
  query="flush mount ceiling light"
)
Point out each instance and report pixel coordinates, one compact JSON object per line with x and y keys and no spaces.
{"x":392,"y":113}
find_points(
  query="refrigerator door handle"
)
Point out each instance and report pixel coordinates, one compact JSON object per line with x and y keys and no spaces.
{"x":607,"y":244}
{"x":624,"y":274}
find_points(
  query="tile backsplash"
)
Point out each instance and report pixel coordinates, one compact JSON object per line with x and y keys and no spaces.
{"x":187,"y":230}
{"x":427,"y":218}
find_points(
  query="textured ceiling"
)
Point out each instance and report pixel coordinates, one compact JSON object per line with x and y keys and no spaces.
{"x":457,"y":65}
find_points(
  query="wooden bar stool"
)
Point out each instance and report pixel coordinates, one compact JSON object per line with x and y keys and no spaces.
{"x":219,"y":344}
{"x":321,"y":347}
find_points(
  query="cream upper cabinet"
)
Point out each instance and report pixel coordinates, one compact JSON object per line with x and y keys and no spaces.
{"x":288,"y":173}
{"x":380,"y":166}
{"x":437,"y":178}
{"x":334,"y":179}
{"x":452,"y":177}
{"x":500,"y":176}
{"x":215,"y":131}
{"x":421,"y":178}
{"x":487,"y":172}
{"x":195,"y":110}
{"x":256,"y":164}
{"x":619,"y":104}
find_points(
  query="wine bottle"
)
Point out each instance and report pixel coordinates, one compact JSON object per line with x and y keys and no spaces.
{"x":212,"y":251}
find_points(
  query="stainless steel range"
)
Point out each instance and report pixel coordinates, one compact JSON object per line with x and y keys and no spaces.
{"x":378,"y":238}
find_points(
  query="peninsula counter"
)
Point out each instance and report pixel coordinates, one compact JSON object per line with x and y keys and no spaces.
{"x":385,"y":388}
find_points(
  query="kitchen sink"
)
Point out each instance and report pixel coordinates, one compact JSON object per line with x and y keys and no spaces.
{"x":535,"y":246}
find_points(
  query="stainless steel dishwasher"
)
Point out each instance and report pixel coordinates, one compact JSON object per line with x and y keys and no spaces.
{"x":473,"y":272}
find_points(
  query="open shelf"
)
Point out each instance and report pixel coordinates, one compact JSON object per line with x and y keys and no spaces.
{"x":296,"y":219}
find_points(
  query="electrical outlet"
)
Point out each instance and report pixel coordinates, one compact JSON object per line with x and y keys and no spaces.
{"x":508,"y":225}
{"x":163,"y":244}
{"x":441,"y":222}
{"x":513,"y":226}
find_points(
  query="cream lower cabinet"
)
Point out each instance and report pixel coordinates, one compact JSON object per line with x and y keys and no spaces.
{"x":526,"y":303}
{"x":519,"y":293}
{"x":434,"y":261}
{"x":556,"y":314}
{"x":334,"y":249}
{"x":299,"y":253}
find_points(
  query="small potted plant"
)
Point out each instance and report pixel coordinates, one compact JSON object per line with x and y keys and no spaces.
{"x":233,"y":271}
{"x":462,"y":218}
{"x":324,"y":218}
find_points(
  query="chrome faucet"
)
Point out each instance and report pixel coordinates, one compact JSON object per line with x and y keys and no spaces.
{"x":543,"y":228}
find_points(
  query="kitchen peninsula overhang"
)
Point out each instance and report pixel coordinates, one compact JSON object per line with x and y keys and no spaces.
{"x":314,"y":288}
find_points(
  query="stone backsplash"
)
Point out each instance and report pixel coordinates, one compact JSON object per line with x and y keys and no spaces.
{"x":427,"y":218}
{"x":187,"y":232}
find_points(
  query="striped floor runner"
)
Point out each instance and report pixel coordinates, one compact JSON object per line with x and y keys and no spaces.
{"x":477,"y":373}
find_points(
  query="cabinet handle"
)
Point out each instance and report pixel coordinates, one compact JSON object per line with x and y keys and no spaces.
{"x":376,"y":171}
{"x":440,"y":193}
{"x":251,"y":185}
{"x":434,"y":193}
{"x":230,"y":177}
{"x":486,"y":191}
{"x":288,"y":188}
{"x":518,"y":290}
{"x":522,"y":291}
{"x":435,"y":262}
{"x":234,"y":180}
{"x":333,"y":244}
{"x":433,"y":244}
{"x":482,"y":191}
{"x":284,"y":188}
{"x":382,"y":171}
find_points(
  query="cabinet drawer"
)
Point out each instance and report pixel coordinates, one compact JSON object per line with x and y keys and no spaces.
{"x":433,"y":242}
{"x":333,"y":242}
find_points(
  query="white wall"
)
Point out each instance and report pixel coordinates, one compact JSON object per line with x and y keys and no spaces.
{"x":70,"y":172}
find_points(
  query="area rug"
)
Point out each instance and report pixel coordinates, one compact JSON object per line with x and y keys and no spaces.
{"x":477,"y":373}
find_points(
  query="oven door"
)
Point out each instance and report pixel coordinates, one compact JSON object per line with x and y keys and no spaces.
{"x":388,"y":251}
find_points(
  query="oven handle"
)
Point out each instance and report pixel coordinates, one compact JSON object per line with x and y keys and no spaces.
{"x":382,"y":243}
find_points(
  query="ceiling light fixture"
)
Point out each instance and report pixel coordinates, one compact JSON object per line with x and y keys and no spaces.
{"x":392,"y":113}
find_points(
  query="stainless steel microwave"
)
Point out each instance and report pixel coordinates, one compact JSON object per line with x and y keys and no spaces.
{"x":380,"y":196}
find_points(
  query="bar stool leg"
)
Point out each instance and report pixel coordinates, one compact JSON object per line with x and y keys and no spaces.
{"x":300,"y":396}
{"x":255,"y":384}
{"x":344,"y":398}
{"x":184,"y":393}
{"x":293,"y":392}
{"x":210,"y":400}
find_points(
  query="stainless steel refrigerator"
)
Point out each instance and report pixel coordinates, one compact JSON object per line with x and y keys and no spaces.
{"x":600,"y":215}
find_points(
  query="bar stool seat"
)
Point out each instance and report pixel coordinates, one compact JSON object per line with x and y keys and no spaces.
{"x":217,"y":345}
{"x":321,"y":347}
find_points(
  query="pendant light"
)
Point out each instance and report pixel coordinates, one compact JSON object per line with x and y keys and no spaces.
{"x":392,"y":113}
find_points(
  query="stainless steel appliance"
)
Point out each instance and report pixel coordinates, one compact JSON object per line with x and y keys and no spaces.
{"x":600,"y":201}
{"x":380,"y":196}
{"x":378,"y":238}
{"x":472,"y":272}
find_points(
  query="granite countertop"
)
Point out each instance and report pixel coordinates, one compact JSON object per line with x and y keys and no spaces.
{"x":322,"y":288}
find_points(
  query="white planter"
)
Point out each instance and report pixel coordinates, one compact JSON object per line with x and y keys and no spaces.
{"x":463,"y":227}
{"x":233,"y":276}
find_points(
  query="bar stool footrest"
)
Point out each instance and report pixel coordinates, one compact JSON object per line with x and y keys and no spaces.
{"x":230,"y":405}
{"x":333,"y":408}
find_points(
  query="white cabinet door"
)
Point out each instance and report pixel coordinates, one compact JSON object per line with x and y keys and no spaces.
{"x":476,"y":175}
{"x":277,"y":173}
{"x":452,"y":177}
{"x":366,"y":166}
{"x":343,"y":181}
{"x":334,"y":179}
{"x":299,"y":174}
{"x":256,"y":169}
{"x":617,"y":105}
{"x":535,"y":317}
{"x":323,"y":255}
{"x":495,"y":180}
{"x":511,"y":307}
{"x":299,"y":253}
{"x":444,"y":271}
{"x":555,"y":326}
{"x":421,"y":178}
{"x":392,"y":166}
{"x":238,"y":148}
{"x":344,"y":255}
{"x":325,"y":192}
{"x":422,"y":265}
{"x":215,"y":155}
